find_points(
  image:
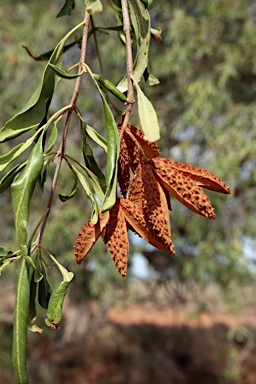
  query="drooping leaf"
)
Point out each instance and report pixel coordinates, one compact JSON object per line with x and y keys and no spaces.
{"x":93,"y":6}
{"x":66,"y":9}
{"x":141,"y":24}
{"x":20,"y":321}
{"x":7,"y":180}
{"x":63,"y":74}
{"x":95,"y":172}
{"x":22,"y":190}
{"x":71,"y":194}
{"x":113,"y":147}
{"x":147,"y":115}
{"x":36,"y":109}
{"x":110,"y":87}
{"x":94,"y":135}
{"x":54,"y":312}
{"x":89,"y":193}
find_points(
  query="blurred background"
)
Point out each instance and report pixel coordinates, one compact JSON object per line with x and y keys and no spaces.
{"x":188,"y":319}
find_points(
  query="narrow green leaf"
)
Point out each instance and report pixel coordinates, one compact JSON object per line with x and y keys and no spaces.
{"x":110,"y":87}
{"x":93,"y":6}
{"x":63,"y":74}
{"x":9,"y":157}
{"x":141,"y":24}
{"x":36,"y":109}
{"x":89,"y":159}
{"x":147,"y":115}
{"x":89,"y":193}
{"x":66,"y":9}
{"x":54,"y":312}
{"x":97,"y":184}
{"x":94,"y":135}
{"x":22,"y":190}
{"x":21,"y":313}
{"x":71,"y":194}
{"x":113,"y":147}
{"x":52,"y":138}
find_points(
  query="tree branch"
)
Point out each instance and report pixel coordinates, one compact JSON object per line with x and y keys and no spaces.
{"x":61,"y":152}
{"x":129,"y":64}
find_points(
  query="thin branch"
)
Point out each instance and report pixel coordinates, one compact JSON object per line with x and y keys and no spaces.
{"x":129,"y":64}
{"x":61,"y":152}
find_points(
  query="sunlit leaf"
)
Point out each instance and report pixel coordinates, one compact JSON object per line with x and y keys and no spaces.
{"x":93,"y":6}
{"x":147,"y":115}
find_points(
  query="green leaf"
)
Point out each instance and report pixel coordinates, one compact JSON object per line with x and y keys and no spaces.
{"x":89,"y":193}
{"x":54,"y":312}
{"x":22,"y":190}
{"x":9,"y":157}
{"x":113,"y":147}
{"x":89,"y":159}
{"x":21,"y":312}
{"x":32,"y":305}
{"x":71,"y":194}
{"x":52,"y":138}
{"x":36,"y":109}
{"x":63,"y":74}
{"x":6,"y":181}
{"x":66,"y":9}
{"x":94,"y":135}
{"x":93,"y":6}
{"x":141,"y":24}
{"x":147,"y":115}
{"x":110,"y":87}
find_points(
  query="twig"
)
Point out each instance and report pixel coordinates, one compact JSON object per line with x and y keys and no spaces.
{"x":61,"y":152}
{"x":129,"y":65}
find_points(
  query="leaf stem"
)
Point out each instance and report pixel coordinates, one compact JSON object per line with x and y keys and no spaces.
{"x":129,"y":65}
{"x":61,"y":152}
